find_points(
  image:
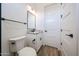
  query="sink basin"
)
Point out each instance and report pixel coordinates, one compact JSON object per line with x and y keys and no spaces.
{"x":36,"y":32}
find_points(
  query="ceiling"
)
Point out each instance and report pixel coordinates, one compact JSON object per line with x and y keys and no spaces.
{"x":40,"y":4}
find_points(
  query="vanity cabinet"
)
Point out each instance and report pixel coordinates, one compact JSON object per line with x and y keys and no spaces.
{"x":38,"y":41}
{"x":34,"y":41}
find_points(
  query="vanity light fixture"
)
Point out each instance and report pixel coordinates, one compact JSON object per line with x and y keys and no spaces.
{"x":29,"y":8}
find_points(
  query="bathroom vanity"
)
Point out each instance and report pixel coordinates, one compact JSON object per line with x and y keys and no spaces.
{"x":34,"y":40}
{"x":34,"y":36}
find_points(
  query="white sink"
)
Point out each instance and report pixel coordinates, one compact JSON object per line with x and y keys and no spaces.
{"x":36,"y":32}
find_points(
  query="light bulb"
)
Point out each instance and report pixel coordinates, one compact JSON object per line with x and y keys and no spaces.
{"x":29,"y":7}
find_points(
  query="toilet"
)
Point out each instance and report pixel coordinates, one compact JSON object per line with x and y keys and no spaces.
{"x":27,"y":51}
{"x":17,"y":46}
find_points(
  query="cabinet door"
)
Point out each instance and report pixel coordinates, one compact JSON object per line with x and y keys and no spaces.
{"x":34,"y":41}
{"x":38,"y":42}
{"x":31,"y":41}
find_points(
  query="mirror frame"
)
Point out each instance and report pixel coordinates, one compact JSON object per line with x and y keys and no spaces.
{"x":27,"y":20}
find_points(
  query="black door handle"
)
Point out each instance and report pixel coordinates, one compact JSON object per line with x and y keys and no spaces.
{"x":71,"y":35}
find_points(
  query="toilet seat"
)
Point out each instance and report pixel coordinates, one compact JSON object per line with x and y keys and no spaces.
{"x":27,"y":51}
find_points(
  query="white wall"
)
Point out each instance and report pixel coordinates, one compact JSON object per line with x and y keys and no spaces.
{"x":40,"y":19}
{"x":12,"y":29}
{"x":14,"y":11}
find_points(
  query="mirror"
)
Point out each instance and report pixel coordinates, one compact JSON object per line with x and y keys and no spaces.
{"x":31,"y":22}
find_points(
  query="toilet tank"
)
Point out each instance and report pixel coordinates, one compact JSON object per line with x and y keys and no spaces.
{"x":17,"y":44}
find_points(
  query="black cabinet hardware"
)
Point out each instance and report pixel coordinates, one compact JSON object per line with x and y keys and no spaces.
{"x":33,"y":41}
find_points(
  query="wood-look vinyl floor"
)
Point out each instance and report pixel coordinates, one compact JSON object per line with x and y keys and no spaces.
{"x":48,"y":51}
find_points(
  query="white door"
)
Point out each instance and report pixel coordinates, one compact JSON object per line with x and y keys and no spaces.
{"x":52,"y":25}
{"x":68,"y":30}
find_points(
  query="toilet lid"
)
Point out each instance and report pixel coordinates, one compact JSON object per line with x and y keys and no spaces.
{"x":27,"y":51}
